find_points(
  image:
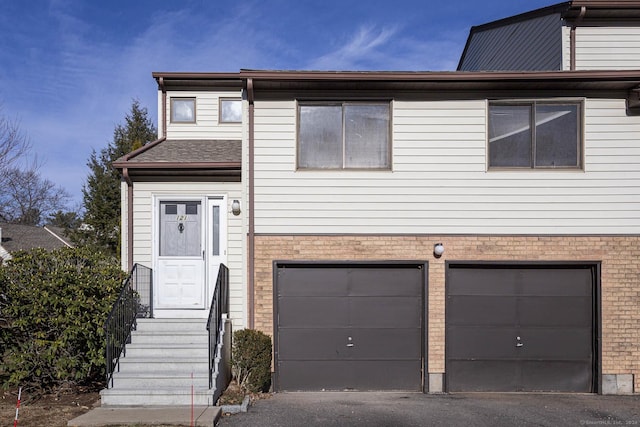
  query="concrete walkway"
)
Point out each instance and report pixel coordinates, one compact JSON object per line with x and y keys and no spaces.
{"x":148,"y":415}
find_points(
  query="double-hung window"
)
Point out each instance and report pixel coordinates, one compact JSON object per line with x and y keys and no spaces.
{"x":535,"y":134}
{"x":344,"y":135}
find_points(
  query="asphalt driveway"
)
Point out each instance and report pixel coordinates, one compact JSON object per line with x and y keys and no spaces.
{"x":415,"y":409}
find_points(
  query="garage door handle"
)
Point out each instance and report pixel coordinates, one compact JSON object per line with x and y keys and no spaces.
{"x":349,"y":345}
{"x":519,"y":344}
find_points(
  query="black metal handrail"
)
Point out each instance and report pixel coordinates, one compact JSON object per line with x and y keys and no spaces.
{"x":219,"y":305}
{"x":135,"y":301}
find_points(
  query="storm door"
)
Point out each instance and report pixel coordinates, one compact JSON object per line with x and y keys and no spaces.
{"x":181,"y":255}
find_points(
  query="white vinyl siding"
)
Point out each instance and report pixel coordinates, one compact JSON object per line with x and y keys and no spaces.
{"x":207,"y":124}
{"x":439,"y":181}
{"x":143,"y":206}
{"x":605,"y":48}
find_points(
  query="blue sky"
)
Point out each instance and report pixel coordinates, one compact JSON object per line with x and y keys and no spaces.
{"x":69,"y":69}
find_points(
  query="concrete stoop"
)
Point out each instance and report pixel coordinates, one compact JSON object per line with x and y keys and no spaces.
{"x":166,"y":364}
{"x":166,"y":415}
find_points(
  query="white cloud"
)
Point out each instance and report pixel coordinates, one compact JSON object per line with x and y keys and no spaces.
{"x":386,"y":48}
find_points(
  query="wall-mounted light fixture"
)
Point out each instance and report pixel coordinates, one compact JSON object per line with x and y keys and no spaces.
{"x":438,"y":250}
{"x":235,"y":207}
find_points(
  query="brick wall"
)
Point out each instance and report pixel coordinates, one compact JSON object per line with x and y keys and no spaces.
{"x":620,"y":279}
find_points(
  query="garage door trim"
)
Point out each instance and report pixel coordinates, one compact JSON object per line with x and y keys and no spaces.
{"x":421,"y":264}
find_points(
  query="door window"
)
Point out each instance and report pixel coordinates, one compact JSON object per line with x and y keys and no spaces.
{"x":180,"y":228}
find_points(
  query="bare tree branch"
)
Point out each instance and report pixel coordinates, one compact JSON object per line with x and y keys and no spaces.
{"x":14,"y":144}
{"x":28,"y":198}
{"x":25,"y":197}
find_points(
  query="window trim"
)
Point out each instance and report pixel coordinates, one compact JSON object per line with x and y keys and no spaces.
{"x":227,"y":122}
{"x":532,"y":102}
{"x":182,"y":98}
{"x":334,"y":103}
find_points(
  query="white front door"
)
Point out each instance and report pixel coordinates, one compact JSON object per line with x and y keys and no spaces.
{"x":181,"y":255}
{"x":217,"y":235}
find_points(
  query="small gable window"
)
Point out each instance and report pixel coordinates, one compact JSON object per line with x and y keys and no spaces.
{"x":347,"y":135}
{"x":230,"y":110}
{"x":535,"y":135}
{"x":183,"y":110}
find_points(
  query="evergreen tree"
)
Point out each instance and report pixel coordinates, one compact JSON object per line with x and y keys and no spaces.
{"x":101,"y":192}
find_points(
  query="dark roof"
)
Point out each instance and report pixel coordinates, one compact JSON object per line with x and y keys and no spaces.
{"x":179,"y":151}
{"x":585,"y":12}
{"x":16,"y":237}
{"x":184,"y":156}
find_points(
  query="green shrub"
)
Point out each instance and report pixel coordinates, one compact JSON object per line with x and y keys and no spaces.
{"x":52,"y":309}
{"x":251,"y":360}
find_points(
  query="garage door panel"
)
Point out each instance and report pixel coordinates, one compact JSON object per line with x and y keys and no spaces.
{"x":386,"y":344}
{"x":557,"y":282}
{"x":310,"y":282}
{"x":482,"y":343}
{"x":486,"y":310}
{"x":473,"y":281}
{"x":556,"y":344}
{"x":485,"y":375}
{"x":555,"y":311}
{"x":314,"y":375}
{"x":385,"y":282}
{"x":556,"y":376}
{"x":313,"y":312}
{"x":313,"y":344}
{"x":385,"y":312}
{"x":380,"y":375}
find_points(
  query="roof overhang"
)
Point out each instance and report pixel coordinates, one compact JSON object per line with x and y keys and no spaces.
{"x":135,"y":164}
{"x":443,"y":85}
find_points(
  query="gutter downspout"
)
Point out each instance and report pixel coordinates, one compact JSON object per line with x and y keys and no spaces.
{"x":251,"y":231}
{"x":164,"y":107}
{"x":127,"y":179}
{"x":572,"y":37}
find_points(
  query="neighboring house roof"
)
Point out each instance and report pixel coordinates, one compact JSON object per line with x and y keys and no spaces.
{"x":168,"y":156}
{"x":532,"y":40}
{"x":17,"y":237}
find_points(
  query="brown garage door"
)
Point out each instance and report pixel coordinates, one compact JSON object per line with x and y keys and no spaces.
{"x":349,"y":326}
{"x":520,"y":327}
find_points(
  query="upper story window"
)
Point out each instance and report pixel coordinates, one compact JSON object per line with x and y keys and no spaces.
{"x":183,"y":110}
{"x":535,"y":134}
{"x":230,"y":110}
{"x":347,"y":135}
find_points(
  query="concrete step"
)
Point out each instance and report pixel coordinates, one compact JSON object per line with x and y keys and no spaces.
{"x":172,"y":325}
{"x":169,"y":337}
{"x":165,"y":360}
{"x":162,"y":364}
{"x":155,"y":380}
{"x":157,"y":397}
{"x":169,"y":351}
